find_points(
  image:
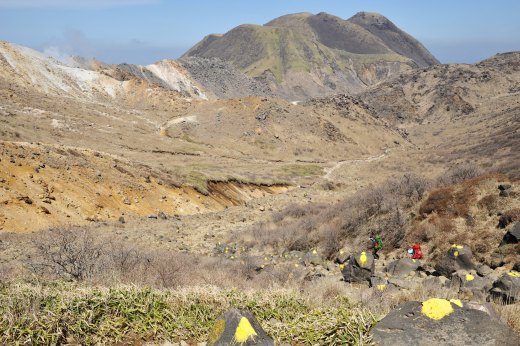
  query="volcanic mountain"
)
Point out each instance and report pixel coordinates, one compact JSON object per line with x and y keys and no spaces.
{"x":304,"y":55}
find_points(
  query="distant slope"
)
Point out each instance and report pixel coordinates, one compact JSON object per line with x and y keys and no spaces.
{"x":303,"y":55}
{"x":90,"y":79}
{"x":221,"y":79}
{"x":394,"y":38}
{"x":458,"y":111}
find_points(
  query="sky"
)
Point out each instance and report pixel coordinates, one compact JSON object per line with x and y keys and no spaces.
{"x":145,"y":31}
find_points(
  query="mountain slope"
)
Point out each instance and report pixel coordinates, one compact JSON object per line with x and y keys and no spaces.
{"x":458,"y":111}
{"x":394,"y":38}
{"x":91,"y":79}
{"x":303,"y":55}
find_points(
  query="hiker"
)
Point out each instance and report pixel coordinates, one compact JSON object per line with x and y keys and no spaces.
{"x":376,"y":245}
{"x":417,"y":252}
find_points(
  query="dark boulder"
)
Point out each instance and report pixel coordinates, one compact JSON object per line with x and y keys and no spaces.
{"x":504,"y":193}
{"x":238,"y":327}
{"x":507,"y":287}
{"x":512,"y":236}
{"x":403,"y":267}
{"x":504,"y":187}
{"x":471,"y":285}
{"x":441,"y":322}
{"x":459,"y":257}
{"x":342,"y":257}
{"x":359,"y":268}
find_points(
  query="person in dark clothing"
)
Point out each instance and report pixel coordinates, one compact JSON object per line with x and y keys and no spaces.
{"x":376,"y":245}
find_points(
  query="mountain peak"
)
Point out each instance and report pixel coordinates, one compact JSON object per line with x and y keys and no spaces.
{"x":304,"y":54}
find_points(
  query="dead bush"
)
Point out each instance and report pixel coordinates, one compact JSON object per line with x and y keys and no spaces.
{"x":172,"y":268}
{"x":68,"y":253}
{"x":458,"y":174}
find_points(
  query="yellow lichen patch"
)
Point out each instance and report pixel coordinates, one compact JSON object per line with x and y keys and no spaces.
{"x":314,"y":252}
{"x":456,"y":253}
{"x":381,"y":287}
{"x":341,"y":266}
{"x":244,"y":330}
{"x":514,"y":274}
{"x":456,"y":302}
{"x":363,"y":259}
{"x":436,"y":308}
{"x":457,"y":246}
{"x":469,"y":277}
{"x":217,"y":331}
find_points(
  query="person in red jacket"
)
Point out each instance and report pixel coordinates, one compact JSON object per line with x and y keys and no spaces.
{"x":417,"y":252}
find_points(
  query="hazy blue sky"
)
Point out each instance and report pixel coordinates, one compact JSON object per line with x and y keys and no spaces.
{"x":144,"y":31}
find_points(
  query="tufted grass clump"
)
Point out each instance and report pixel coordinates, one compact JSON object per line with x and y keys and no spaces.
{"x":68,"y":313}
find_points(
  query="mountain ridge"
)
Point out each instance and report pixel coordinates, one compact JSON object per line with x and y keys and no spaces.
{"x":303,"y":55}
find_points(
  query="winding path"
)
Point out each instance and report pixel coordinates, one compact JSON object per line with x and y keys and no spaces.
{"x":330,"y":171}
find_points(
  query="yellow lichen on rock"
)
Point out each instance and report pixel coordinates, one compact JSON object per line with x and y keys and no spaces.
{"x":363,"y":259}
{"x":457,"y":246}
{"x":456,"y":253}
{"x":456,"y":302}
{"x":244,"y":330}
{"x":469,"y":277}
{"x":381,"y":287}
{"x":514,"y":274}
{"x":436,"y":308}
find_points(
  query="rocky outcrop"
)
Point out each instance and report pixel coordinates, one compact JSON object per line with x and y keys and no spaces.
{"x":459,"y":257}
{"x":442,"y":322}
{"x":471,"y":286}
{"x":512,"y":236}
{"x":238,"y":327}
{"x":359,"y":268}
{"x":403,"y":267}
{"x":507,"y":287}
{"x":223,"y":79}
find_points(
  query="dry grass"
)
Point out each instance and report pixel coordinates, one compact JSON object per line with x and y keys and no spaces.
{"x":330,"y":227}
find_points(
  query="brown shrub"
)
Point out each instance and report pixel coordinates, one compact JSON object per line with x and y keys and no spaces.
{"x":489,"y":203}
{"x":448,"y":201}
{"x":439,"y":201}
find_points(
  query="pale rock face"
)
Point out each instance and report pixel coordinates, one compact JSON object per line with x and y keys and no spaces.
{"x":171,"y":73}
{"x":33,"y":69}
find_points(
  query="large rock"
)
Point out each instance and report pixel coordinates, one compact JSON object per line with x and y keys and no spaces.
{"x":238,"y":327}
{"x":459,"y":257}
{"x":512,"y":236}
{"x":359,"y":268}
{"x":507,"y":287}
{"x":403,"y":267}
{"x":441,"y":322}
{"x":471,"y":285}
{"x":312,"y":258}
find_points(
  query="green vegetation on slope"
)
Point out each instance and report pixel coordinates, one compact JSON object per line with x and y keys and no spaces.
{"x":59,"y":312}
